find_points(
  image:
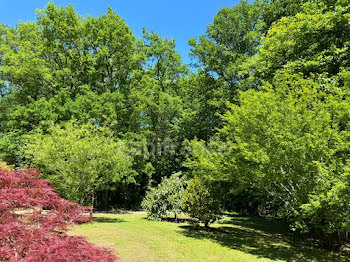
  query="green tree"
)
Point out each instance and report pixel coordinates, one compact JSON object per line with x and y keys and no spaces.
{"x":223,"y":57}
{"x":165,"y":198}
{"x":53,"y":69}
{"x":274,"y":10}
{"x":282,"y":141}
{"x":228,"y":44}
{"x":156,"y":88}
{"x":313,"y":41}
{"x":65,"y":50}
{"x":326,"y":214}
{"x":80,"y":160}
{"x":92,"y":70}
{"x":199,"y":202}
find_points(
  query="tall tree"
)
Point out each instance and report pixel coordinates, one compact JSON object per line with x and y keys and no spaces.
{"x":64,"y":50}
{"x":223,"y":57}
{"x":54,"y":69}
{"x":156,"y":88}
{"x":313,"y":41}
{"x":229,"y":41}
{"x":289,"y":142}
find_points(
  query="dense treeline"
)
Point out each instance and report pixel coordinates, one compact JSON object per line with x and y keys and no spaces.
{"x":265,"y":118}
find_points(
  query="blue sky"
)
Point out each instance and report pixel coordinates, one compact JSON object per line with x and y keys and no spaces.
{"x":180,"y":20}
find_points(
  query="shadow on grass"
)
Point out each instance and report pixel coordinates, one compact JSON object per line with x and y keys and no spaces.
{"x":115,"y":211}
{"x":264,"y":238}
{"x":107,"y":220}
{"x":179,"y":220}
{"x":173,"y":220}
{"x":267,"y":225}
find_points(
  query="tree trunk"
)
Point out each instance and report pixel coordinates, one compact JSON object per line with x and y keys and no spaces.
{"x":92,"y":203}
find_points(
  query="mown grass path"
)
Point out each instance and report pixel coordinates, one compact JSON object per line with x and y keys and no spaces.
{"x":233,"y":239}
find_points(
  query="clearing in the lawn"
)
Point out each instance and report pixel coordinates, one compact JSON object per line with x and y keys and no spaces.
{"x":133,"y":238}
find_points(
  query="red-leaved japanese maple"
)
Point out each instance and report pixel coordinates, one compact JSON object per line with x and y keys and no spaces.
{"x":34,"y":221}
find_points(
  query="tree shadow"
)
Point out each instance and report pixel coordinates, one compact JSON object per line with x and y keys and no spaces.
{"x":171,"y":219}
{"x":268,"y":225}
{"x":264,"y":238}
{"x":114,"y":211}
{"x":107,"y":220}
{"x":179,"y":220}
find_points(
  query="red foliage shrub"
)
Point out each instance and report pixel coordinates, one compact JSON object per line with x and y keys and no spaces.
{"x":34,"y":220}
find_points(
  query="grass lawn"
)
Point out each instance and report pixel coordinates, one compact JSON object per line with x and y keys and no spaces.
{"x":133,"y":238}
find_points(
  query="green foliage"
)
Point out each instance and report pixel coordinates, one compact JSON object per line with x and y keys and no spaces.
{"x":156,"y":88}
{"x":223,"y":56}
{"x":80,"y":160}
{"x":62,"y":67}
{"x":6,"y":166}
{"x":311,"y":41}
{"x":165,"y":198}
{"x":274,"y":10}
{"x":86,"y":107}
{"x":200,"y":202}
{"x":203,"y":97}
{"x":326,"y":215}
{"x":92,"y":70}
{"x":64,"y":50}
{"x":289,"y":143}
{"x":9,"y":146}
{"x":230,"y":40}
{"x":283,"y":146}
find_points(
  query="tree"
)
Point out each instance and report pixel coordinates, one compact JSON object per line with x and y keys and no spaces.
{"x":80,"y":160}
{"x":228,"y":44}
{"x":56,"y":61}
{"x":156,"y":89}
{"x":64,"y":50}
{"x":92,"y":70}
{"x":200,"y":202}
{"x":34,"y":221}
{"x":165,"y":199}
{"x":313,"y":41}
{"x":290,"y":142}
{"x":274,"y":10}
{"x":223,"y":57}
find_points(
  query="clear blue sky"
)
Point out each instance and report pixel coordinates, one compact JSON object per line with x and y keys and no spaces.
{"x":180,"y":20}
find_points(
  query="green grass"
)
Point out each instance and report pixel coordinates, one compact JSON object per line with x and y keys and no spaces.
{"x":133,"y":238}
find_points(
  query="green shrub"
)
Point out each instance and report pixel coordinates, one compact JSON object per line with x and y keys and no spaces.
{"x":165,"y":199}
{"x":6,"y":166}
{"x":199,"y":202}
{"x":327,"y":215}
